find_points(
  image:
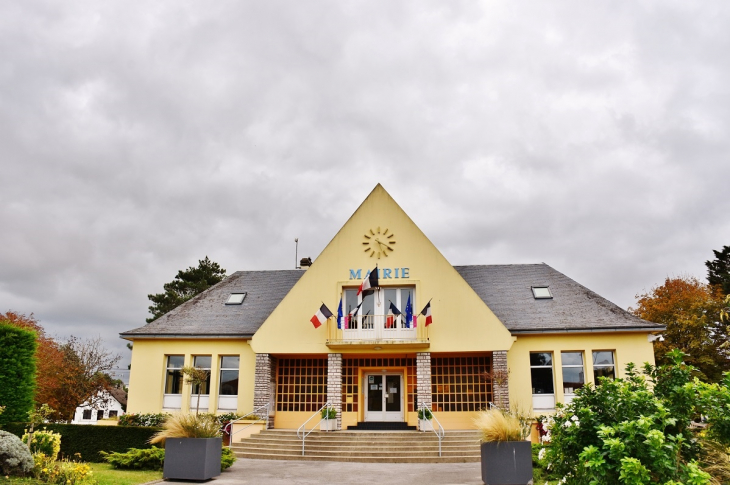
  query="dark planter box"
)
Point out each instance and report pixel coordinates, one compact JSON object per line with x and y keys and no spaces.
{"x":507,"y":462}
{"x":192,"y":458}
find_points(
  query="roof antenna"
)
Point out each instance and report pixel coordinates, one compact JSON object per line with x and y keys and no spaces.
{"x":296,"y":252}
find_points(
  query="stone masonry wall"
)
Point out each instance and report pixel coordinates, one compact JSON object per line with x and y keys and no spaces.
{"x":500,"y":383}
{"x":263,"y":392}
{"x":423,"y":378}
{"x":334,"y":384}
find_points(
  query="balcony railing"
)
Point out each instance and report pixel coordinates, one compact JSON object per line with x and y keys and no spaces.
{"x":379,"y":328}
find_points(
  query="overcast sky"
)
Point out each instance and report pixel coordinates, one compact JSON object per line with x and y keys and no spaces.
{"x":138,"y":137}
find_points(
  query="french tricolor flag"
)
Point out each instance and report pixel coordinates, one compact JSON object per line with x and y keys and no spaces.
{"x":370,"y":281}
{"x":321,"y":316}
{"x":426,"y":312}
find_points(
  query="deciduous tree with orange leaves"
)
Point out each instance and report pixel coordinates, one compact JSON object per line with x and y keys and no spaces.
{"x":691,"y":311}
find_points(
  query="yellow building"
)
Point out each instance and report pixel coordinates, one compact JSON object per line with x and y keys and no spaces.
{"x":522,"y":335}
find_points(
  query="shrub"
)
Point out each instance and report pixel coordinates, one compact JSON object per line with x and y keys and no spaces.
{"x":89,"y":441}
{"x":227,"y":458}
{"x":17,"y":372}
{"x":137,"y":459}
{"x":187,"y":426}
{"x":146,"y":420}
{"x":44,"y":441}
{"x":154,"y":459}
{"x":625,"y":431}
{"x":15,"y":458}
{"x":424,"y":413}
{"x":329,"y":413}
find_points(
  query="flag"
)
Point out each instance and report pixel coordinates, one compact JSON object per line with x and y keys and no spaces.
{"x":339,"y":315}
{"x":409,"y":313}
{"x":370,"y":281}
{"x":392,"y":313}
{"x":426,"y":312}
{"x":321,"y":316}
{"x":351,"y":318}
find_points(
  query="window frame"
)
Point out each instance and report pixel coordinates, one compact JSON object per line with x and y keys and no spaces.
{"x":173,"y":375}
{"x":612,"y":365}
{"x":568,"y":396}
{"x":193,"y":388}
{"x":543,"y":400}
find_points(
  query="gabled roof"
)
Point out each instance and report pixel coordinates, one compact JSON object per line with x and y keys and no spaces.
{"x":507,"y":291}
{"x":207,"y":316}
{"x":119,"y":394}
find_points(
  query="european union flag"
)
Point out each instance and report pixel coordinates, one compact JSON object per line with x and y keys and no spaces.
{"x":339,"y":315}
{"x":409,"y":312}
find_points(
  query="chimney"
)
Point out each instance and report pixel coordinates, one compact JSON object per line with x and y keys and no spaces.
{"x":305,"y":263}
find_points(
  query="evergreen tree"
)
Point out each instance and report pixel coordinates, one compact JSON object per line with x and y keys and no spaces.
{"x":718,"y":270}
{"x":17,"y":372}
{"x":186,"y":285}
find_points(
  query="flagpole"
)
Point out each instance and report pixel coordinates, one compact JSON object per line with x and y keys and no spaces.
{"x":429,"y":301}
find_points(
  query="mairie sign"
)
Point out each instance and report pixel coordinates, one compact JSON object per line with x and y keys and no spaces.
{"x":383,"y":273}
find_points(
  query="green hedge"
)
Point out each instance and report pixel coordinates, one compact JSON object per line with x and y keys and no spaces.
{"x":89,"y":440}
{"x":17,"y":372}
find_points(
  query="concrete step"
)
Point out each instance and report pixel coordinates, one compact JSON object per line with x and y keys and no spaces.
{"x":361,"y":446}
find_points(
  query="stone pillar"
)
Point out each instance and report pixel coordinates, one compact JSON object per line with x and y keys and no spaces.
{"x":263,"y":391}
{"x":334,"y":384}
{"x":423,"y":378}
{"x":500,"y":379}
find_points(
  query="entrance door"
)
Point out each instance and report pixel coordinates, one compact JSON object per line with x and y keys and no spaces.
{"x":384,"y":397}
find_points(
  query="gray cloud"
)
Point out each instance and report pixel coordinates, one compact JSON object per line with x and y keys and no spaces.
{"x":137,"y":138}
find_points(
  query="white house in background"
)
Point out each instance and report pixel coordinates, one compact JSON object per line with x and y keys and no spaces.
{"x":108,"y":404}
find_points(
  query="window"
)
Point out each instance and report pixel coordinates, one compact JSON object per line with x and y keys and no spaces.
{"x":541,"y":292}
{"x":573,"y":373}
{"x":458,"y":383}
{"x":99,"y":414}
{"x":351,"y":384}
{"x":113,"y":414}
{"x":174,"y":377}
{"x":541,"y":373}
{"x":603,"y":365}
{"x":202,"y":362}
{"x":87,"y":414}
{"x":235,"y":298}
{"x":377,"y":303}
{"x":229,"y":375}
{"x":301,"y":384}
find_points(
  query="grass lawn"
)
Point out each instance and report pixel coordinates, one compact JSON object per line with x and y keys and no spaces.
{"x":104,"y":474}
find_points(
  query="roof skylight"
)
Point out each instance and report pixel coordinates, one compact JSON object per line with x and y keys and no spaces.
{"x":541,"y":292}
{"x":236,"y":298}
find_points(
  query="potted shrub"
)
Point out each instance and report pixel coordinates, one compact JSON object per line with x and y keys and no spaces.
{"x":424,"y":419}
{"x":329,"y":419}
{"x":506,"y":455}
{"x":193,"y":447}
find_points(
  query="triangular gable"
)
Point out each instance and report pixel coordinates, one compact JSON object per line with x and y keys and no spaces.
{"x":462,"y":321}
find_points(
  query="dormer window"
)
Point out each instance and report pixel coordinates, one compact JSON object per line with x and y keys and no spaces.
{"x":541,"y":292}
{"x":236,"y":298}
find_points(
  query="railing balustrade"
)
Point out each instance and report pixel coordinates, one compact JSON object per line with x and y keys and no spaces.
{"x":378,"y":327}
{"x":440,"y":431}
{"x":265,"y":419}
{"x":302,"y":432}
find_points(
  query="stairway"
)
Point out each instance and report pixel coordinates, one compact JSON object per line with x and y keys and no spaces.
{"x":362,"y":446}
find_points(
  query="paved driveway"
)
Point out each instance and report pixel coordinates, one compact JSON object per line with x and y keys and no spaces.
{"x":280,"y":472}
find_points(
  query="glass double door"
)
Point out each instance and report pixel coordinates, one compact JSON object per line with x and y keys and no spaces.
{"x":384,"y":397}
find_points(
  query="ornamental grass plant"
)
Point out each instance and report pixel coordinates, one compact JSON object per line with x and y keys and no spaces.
{"x":496,"y":425}
{"x":187,"y":426}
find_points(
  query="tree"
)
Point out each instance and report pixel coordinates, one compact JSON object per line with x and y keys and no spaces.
{"x":186,"y":285}
{"x":690,"y":310}
{"x":718,"y":270}
{"x":84,"y":374}
{"x":198,"y":378}
{"x":17,"y":372}
{"x":48,"y":358}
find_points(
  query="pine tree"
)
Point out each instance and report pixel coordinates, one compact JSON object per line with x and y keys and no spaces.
{"x":718,"y":270}
{"x":186,"y":285}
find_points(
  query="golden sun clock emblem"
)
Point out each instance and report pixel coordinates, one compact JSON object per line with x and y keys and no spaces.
{"x":378,"y":243}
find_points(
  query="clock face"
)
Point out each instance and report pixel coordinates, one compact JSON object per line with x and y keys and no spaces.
{"x":378,"y":243}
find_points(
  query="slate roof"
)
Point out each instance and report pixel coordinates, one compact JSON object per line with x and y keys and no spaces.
{"x":207,"y":315}
{"x":507,"y":291}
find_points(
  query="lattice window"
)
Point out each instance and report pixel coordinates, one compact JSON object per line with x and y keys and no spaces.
{"x":460,"y":383}
{"x":301,"y":384}
{"x":351,"y":386}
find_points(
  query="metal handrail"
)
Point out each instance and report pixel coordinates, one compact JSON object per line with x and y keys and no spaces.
{"x":300,"y":431}
{"x":441,"y":432}
{"x":227,"y":428}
